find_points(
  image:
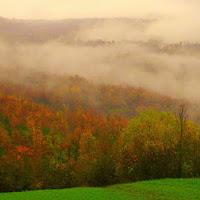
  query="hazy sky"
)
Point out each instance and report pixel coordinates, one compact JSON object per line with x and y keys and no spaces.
{"x":57,"y":9}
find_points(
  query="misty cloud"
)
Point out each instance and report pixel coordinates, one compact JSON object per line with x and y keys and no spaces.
{"x":175,"y":75}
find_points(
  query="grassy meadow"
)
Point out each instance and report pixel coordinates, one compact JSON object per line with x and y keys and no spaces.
{"x":167,"y":189}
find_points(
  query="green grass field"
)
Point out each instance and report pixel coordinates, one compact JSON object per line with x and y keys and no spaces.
{"x":152,"y":190}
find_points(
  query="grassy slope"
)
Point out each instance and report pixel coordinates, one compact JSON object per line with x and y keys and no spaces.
{"x":152,"y":190}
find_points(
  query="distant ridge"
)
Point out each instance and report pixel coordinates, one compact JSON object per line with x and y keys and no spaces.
{"x":37,"y":31}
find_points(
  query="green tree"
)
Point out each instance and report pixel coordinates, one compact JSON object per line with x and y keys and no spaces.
{"x":152,"y":141}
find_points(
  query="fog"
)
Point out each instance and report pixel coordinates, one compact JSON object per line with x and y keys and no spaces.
{"x":52,"y":9}
{"x":114,"y":51}
{"x":176,"y":19}
{"x":176,"y":75}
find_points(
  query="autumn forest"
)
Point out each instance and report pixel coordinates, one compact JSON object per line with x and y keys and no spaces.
{"x":78,"y":133}
{"x":95,"y":102}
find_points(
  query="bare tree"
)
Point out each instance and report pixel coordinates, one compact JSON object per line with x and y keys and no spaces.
{"x":181,"y":119}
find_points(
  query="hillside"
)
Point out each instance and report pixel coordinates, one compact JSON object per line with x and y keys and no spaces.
{"x":99,"y":100}
{"x":45,"y":147}
{"x":60,"y":91}
{"x":93,"y":116}
{"x":169,"y":189}
{"x":40,"y":31}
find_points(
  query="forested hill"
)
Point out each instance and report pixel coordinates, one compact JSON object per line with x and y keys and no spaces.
{"x":41,"y":149}
{"x":59,"y":131}
{"x":60,"y":91}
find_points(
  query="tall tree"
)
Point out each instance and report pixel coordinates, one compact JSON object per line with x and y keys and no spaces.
{"x":182,"y":122}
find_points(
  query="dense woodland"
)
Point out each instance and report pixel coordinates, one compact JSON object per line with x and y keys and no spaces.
{"x":59,"y":131}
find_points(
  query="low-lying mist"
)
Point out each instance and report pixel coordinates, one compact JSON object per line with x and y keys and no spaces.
{"x":116,"y":51}
{"x":176,"y":75}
